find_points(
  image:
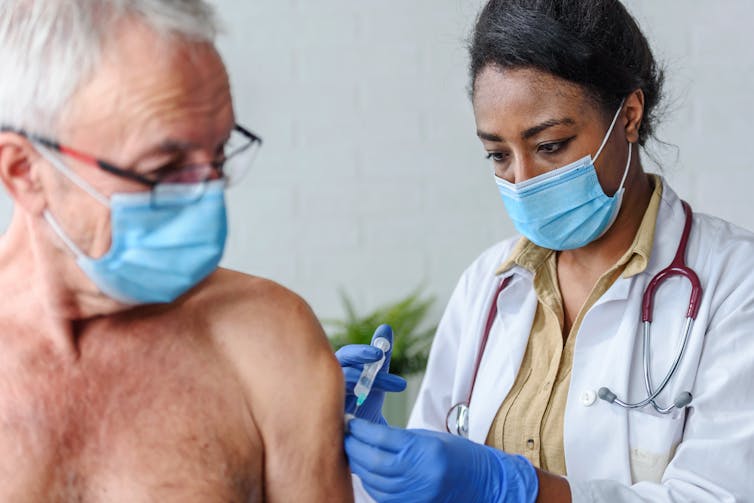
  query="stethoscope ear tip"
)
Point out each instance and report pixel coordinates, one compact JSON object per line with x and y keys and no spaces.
{"x":606,"y":395}
{"x":683,"y":400}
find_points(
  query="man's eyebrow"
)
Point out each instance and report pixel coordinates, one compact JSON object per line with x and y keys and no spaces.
{"x":167,"y":146}
{"x":532,"y":131}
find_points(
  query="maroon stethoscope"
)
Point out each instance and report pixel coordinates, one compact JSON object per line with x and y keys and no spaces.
{"x":457,"y":419}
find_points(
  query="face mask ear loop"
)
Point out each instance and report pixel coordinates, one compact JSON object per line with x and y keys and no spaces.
{"x":59,"y":231}
{"x":609,"y":131}
{"x":73,"y":177}
{"x":628,"y":165}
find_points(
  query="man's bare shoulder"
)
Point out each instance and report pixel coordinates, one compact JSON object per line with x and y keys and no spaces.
{"x":239,"y":307}
{"x":293,"y":382}
{"x":265,"y":330}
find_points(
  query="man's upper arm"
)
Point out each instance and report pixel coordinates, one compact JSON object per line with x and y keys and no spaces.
{"x":295,"y":394}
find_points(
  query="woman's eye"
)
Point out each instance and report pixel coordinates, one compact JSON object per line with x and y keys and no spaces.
{"x":496,"y":156}
{"x":552,"y":147}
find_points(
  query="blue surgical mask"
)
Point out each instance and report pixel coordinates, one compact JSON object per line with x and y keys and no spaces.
{"x":158,"y":251}
{"x":566,"y":208}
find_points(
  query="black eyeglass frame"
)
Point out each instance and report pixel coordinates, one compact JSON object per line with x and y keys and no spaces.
{"x":111,"y":168}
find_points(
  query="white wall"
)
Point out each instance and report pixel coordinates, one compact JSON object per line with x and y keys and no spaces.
{"x":371,"y":178}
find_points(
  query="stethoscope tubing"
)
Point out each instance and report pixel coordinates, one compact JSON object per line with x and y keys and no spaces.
{"x":688,"y":327}
{"x":677,"y":267}
{"x":652,"y":395}
{"x":462,"y":408}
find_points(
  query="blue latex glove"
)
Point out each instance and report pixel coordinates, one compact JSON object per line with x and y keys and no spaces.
{"x":352,"y":359}
{"x":398,"y":466}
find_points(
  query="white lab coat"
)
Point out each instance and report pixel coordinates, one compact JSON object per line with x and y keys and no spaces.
{"x":613,"y":455}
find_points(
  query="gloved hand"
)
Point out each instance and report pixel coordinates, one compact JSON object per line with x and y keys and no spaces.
{"x":352,"y":359}
{"x":397,"y":466}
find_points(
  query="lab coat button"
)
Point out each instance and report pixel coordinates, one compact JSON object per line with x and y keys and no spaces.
{"x":588,"y":398}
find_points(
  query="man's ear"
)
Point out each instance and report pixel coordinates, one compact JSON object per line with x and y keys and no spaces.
{"x":634,"y":111}
{"x":20,"y":173}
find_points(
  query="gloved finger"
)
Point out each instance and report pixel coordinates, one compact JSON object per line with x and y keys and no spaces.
{"x":380,"y":436}
{"x":382,"y":382}
{"x":357,"y":355}
{"x":385,"y":486}
{"x":350,"y":403}
{"x":382,"y":497}
{"x":386,"y":332}
{"x":365,"y":458}
{"x":376,"y":492}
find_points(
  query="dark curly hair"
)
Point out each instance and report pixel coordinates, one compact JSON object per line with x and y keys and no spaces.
{"x":593,"y":43}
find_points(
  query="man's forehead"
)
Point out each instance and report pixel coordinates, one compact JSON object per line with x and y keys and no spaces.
{"x":147,"y":83}
{"x":144,"y":69}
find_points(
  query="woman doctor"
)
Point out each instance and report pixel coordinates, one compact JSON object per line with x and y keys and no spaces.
{"x":565,"y":94}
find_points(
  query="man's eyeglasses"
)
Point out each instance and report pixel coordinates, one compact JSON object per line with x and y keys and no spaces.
{"x":232,"y":164}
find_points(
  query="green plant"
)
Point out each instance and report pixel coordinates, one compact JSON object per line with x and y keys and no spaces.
{"x":411,"y":337}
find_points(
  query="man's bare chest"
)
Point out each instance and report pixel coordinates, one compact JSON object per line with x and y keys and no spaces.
{"x":156,"y":423}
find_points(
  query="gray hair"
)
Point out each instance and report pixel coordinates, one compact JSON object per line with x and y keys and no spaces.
{"x":48,"y":48}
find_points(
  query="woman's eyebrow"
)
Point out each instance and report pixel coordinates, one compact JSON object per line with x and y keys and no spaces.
{"x":532,"y":131}
{"x":488,"y":136}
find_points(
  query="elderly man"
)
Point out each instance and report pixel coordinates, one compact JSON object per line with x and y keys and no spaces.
{"x":132,"y":369}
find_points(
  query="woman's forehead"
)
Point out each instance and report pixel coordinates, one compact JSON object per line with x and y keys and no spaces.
{"x":526,"y":96}
{"x":526,"y":86}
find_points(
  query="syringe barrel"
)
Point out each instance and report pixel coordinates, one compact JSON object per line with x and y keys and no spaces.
{"x":368,"y":374}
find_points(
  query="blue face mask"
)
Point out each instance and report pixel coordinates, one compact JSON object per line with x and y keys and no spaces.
{"x":158,"y":251}
{"x":566,"y":208}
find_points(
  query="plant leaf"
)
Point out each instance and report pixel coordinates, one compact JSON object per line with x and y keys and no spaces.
{"x":407,"y":317}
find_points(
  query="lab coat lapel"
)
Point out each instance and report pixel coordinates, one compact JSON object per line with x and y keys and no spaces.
{"x":597,"y":433}
{"x":670,"y":221}
{"x":505,"y":350}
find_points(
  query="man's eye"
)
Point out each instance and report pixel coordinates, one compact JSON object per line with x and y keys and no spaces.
{"x":223,"y":150}
{"x":165,"y":170}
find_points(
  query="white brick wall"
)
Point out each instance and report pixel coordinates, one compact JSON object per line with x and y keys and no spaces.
{"x":371,"y":178}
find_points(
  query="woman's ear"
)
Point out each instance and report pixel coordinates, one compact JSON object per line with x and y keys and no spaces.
{"x":633,"y":110}
{"x":19,"y":173}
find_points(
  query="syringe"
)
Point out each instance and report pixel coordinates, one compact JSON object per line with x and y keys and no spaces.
{"x":366,"y":379}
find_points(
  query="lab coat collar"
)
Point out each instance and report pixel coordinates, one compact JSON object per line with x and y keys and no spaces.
{"x":527,"y":256}
{"x":670,"y":222}
{"x":502,"y":358}
{"x":517,"y":305}
{"x":667,"y":234}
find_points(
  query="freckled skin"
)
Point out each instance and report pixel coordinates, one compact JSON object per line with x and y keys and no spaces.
{"x":186,"y":402}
